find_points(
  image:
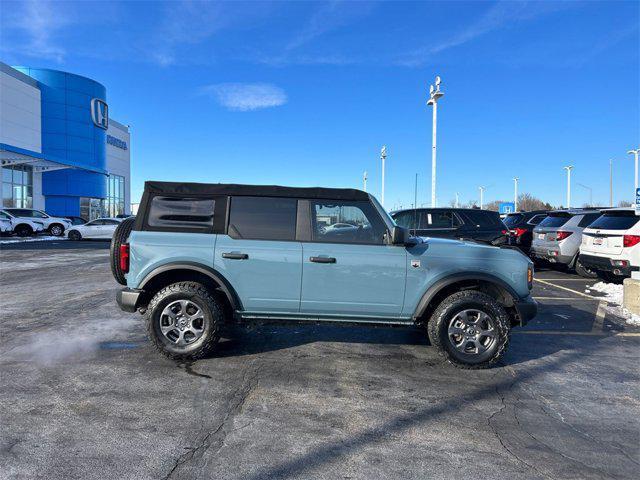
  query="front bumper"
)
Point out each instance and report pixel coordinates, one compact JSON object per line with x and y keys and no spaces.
{"x":128,"y":298}
{"x":527,"y":309}
{"x":604,"y":264}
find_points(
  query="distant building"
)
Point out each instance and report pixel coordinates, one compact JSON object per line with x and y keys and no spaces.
{"x":59,"y":150}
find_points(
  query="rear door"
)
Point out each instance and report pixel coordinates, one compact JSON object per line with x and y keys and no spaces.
{"x":260,"y":255}
{"x":108,"y":228}
{"x":351,"y":273}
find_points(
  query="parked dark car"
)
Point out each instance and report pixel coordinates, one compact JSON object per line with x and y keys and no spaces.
{"x":521,"y":225}
{"x":77,"y":220}
{"x":468,"y":223}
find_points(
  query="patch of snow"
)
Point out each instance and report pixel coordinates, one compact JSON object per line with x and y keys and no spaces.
{"x":45,"y":238}
{"x":613,"y":295}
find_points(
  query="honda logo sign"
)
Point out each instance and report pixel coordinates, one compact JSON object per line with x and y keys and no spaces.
{"x":100,"y":113}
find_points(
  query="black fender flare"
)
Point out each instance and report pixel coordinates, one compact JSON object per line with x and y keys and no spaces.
{"x":217,"y":277}
{"x":444,"y":282}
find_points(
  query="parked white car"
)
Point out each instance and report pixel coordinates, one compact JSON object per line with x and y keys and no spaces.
{"x":100,"y":228}
{"x":54,"y":225}
{"x":611,"y":244}
{"x":23,"y":226}
{"x":5,"y":223}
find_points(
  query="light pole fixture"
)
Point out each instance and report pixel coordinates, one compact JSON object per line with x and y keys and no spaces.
{"x":635,"y":154}
{"x":568,"y":168}
{"x":587,"y":187}
{"x":611,"y":182}
{"x":482,"y":189}
{"x":364,"y":181}
{"x":383,"y":157}
{"x":457,"y":200}
{"x":515,"y":194}
{"x":434,"y":96}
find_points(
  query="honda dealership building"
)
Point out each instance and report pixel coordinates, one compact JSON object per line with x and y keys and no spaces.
{"x":60,"y":151}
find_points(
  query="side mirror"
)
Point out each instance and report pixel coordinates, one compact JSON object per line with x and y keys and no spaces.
{"x":399,"y":236}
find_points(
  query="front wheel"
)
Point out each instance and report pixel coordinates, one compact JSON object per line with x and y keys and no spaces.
{"x":183,"y":321}
{"x":470,"y":329}
{"x":56,"y":230}
{"x":75,"y":235}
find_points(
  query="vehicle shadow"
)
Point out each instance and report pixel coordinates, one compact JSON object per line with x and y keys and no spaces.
{"x":542,"y":337}
{"x":61,"y":244}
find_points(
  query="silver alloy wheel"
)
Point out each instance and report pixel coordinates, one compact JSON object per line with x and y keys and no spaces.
{"x":56,"y":230}
{"x":182,"y":322}
{"x":472,"y":332}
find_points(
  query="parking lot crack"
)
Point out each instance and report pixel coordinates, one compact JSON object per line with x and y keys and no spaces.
{"x":216,"y":436}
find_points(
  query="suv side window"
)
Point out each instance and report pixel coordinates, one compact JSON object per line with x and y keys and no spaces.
{"x":263,"y":218}
{"x":588,"y":219}
{"x":193,"y":214}
{"x":536,"y":219}
{"x":438,"y":220}
{"x":346,"y":222}
{"x":407,"y":219}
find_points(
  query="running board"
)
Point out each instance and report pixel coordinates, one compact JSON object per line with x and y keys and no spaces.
{"x":360,"y":320}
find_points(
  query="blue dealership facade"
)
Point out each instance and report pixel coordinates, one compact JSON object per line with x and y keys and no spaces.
{"x":59,"y":149}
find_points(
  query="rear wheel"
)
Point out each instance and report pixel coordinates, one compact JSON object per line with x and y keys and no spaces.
{"x":584,"y":271}
{"x":120,"y":236}
{"x":23,"y":231}
{"x":470,"y":329}
{"x":183,"y":321}
{"x":610,"y":277}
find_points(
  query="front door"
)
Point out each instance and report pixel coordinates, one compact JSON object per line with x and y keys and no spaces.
{"x":347,"y":269}
{"x":260,"y":256}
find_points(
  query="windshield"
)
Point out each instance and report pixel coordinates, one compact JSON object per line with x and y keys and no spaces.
{"x":388,"y":221}
{"x":513,"y":220}
{"x":553,"y":221}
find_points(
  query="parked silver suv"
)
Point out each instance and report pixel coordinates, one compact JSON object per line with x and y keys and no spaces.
{"x":557,"y":238}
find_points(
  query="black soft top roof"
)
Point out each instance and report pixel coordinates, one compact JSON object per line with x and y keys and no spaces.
{"x":179,"y":188}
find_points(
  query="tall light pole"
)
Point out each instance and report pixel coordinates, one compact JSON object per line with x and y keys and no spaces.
{"x":457,"y":200}
{"x":434,"y":96}
{"x":568,"y":168}
{"x":364,"y":181}
{"x":481,"y":196}
{"x":515,"y":194}
{"x":635,"y":154}
{"x":586,"y":187}
{"x":383,"y":157}
{"x":611,"y":182}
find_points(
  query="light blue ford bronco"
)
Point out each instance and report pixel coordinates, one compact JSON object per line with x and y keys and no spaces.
{"x":199,"y":256}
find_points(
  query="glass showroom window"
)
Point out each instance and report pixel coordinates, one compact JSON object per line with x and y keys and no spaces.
{"x":92,"y":208}
{"x":17,"y":186}
{"x":115,"y":195}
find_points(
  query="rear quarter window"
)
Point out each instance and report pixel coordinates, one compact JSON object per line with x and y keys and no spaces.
{"x":615,"y":222}
{"x":181,"y":213}
{"x":588,"y":219}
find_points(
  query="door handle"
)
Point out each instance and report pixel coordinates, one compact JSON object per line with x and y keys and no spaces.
{"x":235,"y":256}
{"x":322,"y":259}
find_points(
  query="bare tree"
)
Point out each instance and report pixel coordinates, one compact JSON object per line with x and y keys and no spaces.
{"x":624,"y":203}
{"x":528,"y":202}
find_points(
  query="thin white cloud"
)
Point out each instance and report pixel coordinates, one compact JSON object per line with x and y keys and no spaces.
{"x":244,"y":97}
{"x":31,"y":27}
{"x":501,"y":15}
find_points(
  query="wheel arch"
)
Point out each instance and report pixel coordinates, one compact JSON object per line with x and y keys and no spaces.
{"x":169,"y":273}
{"x":484,"y":282}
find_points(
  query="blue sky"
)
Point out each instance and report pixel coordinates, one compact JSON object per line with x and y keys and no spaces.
{"x":306,"y":93}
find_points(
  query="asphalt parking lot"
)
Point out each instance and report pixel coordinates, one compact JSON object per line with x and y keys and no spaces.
{"x":83,"y":395}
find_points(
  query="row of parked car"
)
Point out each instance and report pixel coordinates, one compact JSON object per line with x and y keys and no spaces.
{"x":595,"y":242}
{"x":25,"y":222}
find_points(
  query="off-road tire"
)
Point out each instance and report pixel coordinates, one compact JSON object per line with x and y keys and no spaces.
{"x":74,"y":235}
{"x":437,"y":328}
{"x":213,"y":312}
{"x":120,"y":236}
{"x":584,"y":272}
{"x":24,"y":230}
{"x":56,"y":227}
